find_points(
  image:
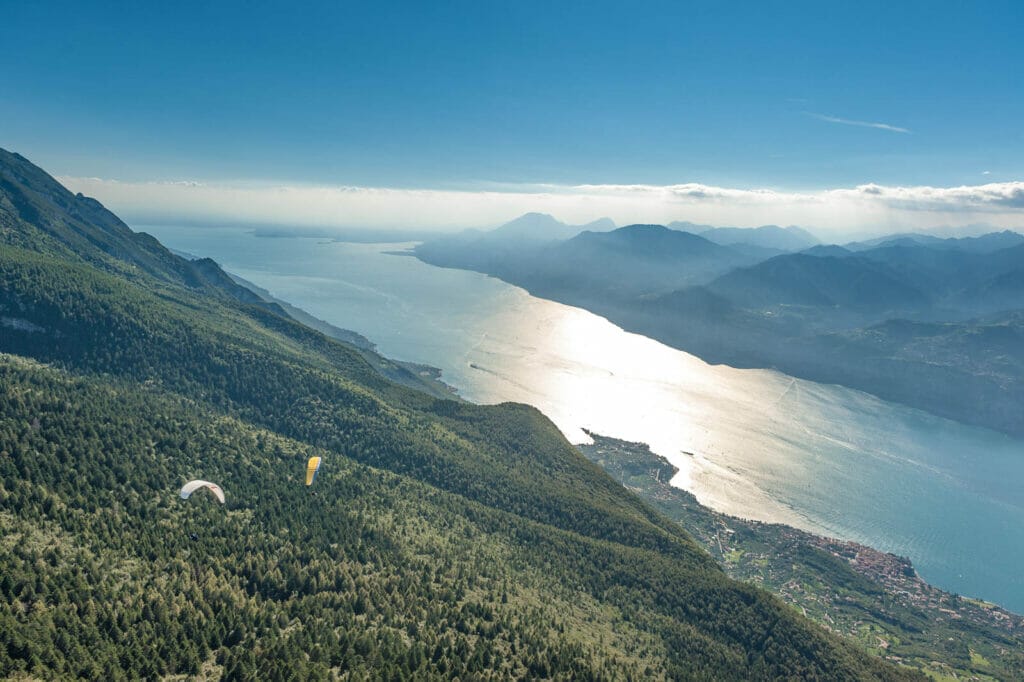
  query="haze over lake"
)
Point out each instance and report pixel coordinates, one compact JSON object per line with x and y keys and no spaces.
{"x":753,"y":443}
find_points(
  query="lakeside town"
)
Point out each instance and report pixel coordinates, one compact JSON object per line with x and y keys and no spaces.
{"x":872,"y":597}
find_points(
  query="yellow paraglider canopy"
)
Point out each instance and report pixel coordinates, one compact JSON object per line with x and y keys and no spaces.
{"x":312,"y":466}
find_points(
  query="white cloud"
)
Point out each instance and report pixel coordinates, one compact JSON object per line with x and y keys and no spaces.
{"x":862,"y":124}
{"x":864,"y":209}
{"x":995,"y":197}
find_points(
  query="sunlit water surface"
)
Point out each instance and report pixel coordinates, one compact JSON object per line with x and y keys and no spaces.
{"x":753,"y":443}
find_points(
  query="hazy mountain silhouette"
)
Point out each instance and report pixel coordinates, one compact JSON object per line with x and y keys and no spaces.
{"x":542,"y":227}
{"x":828,"y":281}
{"x":992,"y":241}
{"x":828,"y":313}
{"x":628,"y":261}
{"x":791,"y":238}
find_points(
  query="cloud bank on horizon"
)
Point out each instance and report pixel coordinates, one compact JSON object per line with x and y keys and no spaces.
{"x":863,"y":210}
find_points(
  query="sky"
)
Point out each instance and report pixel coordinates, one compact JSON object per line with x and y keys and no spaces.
{"x":839,"y":116}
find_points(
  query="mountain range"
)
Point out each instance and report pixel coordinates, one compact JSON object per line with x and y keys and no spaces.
{"x":772,"y":237}
{"x":827,"y":313}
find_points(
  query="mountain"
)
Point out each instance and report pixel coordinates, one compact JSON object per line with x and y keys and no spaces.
{"x":820,"y":281}
{"x":528,"y":231}
{"x":920,"y":279}
{"x":647,"y":242}
{"x":932,"y":328}
{"x":986,"y":243}
{"x":904,"y":238}
{"x":505,"y":247}
{"x":541,"y":227}
{"x":966,"y":282}
{"x":824,"y":313}
{"x":1002,"y":291}
{"x":636,"y":259}
{"x":828,"y":250}
{"x":40,"y":214}
{"x":442,"y":539}
{"x":791,"y":238}
{"x":628,"y":261}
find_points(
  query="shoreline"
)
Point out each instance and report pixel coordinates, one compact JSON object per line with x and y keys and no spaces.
{"x":426,"y":378}
{"x":873,"y":597}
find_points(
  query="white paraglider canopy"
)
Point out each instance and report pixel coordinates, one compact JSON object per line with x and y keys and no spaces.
{"x":192,"y":486}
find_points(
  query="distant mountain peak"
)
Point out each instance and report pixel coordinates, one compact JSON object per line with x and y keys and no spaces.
{"x":533,"y":216}
{"x":644,"y":227}
{"x":653,"y":241}
{"x":545,"y":227}
{"x":789,"y":238}
{"x":984,"y":243}
{"x":642,"y":231}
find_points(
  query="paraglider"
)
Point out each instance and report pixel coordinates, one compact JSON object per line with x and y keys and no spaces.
{"x":312,"y":466}
{"x":192,"y":486}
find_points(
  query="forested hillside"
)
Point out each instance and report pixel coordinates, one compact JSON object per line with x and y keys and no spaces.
{"x":442,"y":539}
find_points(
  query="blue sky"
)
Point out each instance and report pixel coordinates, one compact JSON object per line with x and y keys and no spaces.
{"x":478,"y":95}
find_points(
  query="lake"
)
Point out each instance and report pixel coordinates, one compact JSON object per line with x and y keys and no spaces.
{"x":753,"y":443}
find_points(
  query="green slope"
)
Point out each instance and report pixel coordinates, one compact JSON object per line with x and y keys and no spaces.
{"x":446,"y":539}
{"x":40,"y":214}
